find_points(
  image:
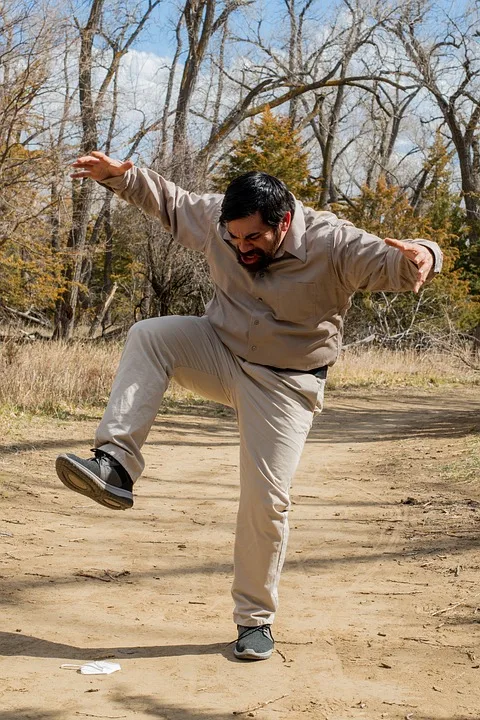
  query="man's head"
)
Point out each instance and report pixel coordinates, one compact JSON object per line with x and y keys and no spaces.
{"x":257,"y":211}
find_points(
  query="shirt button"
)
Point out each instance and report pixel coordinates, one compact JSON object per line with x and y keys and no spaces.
{"x":256,"y":322}
{"x":262,"y":274}
{"x":254,"y":347}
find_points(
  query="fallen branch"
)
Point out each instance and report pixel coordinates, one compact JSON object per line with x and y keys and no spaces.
{"x":431,"y":642}
{"x":102,"y":311}
{"x":259,"y":707}
{"x":107,"y":576}
{"x":455,"y":605}
{"x":363,"y":341}
{"x":115,"y":575}
{"x":410,"y":592}
{"x":100,"y":716}
{"x":92,"y":577}
{"x":27,"y":316}
{"x":287,"y":642}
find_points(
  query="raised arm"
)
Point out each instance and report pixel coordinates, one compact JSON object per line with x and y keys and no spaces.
{"x":187,"y":216}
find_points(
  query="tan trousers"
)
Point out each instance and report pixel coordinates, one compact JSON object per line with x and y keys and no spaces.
{"x":274,"y":411}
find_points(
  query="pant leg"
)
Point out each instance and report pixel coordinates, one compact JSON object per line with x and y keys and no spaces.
{"x":156,"y":350}
{"x":275,"y":412}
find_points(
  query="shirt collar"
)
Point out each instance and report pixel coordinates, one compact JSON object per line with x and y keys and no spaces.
{"x":294,"y":241}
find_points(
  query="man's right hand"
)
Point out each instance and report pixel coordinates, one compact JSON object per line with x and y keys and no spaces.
{"x":99,"y":167}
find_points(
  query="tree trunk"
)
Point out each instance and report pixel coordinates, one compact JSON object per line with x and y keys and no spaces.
{"x":102,"y":312}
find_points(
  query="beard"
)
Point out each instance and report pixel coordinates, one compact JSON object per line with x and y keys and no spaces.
{"x":256,"y":260}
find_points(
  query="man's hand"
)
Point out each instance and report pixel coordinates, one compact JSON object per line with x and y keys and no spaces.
{"x":99,"y":167}
{"x":419,"y":254}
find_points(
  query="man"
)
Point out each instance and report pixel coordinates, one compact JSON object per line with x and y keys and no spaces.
{"x":283,"y":275}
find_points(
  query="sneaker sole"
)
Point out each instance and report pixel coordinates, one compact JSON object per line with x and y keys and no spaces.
{"x":78,"y":478}
{"x":249,"y":654}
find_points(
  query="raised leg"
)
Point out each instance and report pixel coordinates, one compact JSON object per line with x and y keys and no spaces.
{"x":156,"y":350}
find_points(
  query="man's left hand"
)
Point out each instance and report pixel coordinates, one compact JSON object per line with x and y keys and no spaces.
{"x":419,"y":254}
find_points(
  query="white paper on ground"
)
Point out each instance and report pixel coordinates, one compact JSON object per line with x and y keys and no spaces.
{"x":99,"y":667}
{"x":96,"y":667}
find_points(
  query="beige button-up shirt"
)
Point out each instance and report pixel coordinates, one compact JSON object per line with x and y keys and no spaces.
{"x":291,"y":314}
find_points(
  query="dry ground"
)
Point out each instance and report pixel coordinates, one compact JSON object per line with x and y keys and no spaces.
{"x":380,"y":604}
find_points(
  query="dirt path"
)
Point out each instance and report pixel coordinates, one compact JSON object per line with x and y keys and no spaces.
{"x":379,"y":596}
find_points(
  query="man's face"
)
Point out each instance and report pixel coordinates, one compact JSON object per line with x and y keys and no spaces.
{"x":255,"y":242}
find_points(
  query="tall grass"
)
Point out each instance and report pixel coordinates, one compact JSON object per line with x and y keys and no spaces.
{"x":56,"y":378}
{"x":377,"y":368}
{"x":60,"y":379}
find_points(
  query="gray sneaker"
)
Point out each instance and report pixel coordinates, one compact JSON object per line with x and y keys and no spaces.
{"x":100,"y":478}
{"x":254,"y":643}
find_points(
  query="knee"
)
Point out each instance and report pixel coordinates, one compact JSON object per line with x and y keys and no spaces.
{"x":140,"y":328}
{"x":149,"y":328}
{"x":267,"y":502}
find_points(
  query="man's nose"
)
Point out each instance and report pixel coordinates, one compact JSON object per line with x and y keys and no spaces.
{"x":244,"y":246}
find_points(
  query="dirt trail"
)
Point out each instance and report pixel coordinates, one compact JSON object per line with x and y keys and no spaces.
{"x":379,"y":595}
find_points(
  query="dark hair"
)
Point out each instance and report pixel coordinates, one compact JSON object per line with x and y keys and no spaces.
{"x":257,"y":192}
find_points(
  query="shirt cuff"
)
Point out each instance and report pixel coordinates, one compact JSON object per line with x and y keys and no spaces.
{"x":117,"y":183}
{"x":437,"y":255}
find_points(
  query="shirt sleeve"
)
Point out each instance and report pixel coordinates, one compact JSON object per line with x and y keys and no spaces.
{"x":363,"y":261}
{"x":187,"y":216}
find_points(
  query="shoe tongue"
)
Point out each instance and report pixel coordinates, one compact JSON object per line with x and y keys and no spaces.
{"x":102,"y":455}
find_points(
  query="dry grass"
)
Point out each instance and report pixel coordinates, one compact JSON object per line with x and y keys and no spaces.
{"x":59,"y":379}
{"x":381,"y":368}
{"x":56,"y":378}
{"x":465,"y":470}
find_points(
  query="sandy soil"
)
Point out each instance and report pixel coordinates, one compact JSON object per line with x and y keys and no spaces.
{"x":380,"y":604}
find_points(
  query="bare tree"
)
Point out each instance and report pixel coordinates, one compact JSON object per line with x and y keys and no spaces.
{"x":203,"y":19}
{"x":30,"y":48}
{"x":92,"y":101}
{"x":26,"y":51}
{"x":446,"y":63}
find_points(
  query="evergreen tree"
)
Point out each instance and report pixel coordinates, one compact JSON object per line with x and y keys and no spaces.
{"x":443,"y":210}
{"x":271,"y":145}
{"x":386,"y":211}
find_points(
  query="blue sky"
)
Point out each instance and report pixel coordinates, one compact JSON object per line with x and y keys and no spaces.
{"x":159,"y":35}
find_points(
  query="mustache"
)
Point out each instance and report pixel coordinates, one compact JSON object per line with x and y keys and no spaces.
{"x":251,"y":253}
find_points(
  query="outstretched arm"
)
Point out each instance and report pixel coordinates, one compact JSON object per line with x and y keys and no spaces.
{"x":363,"y":261}
{"x":186,"y":215}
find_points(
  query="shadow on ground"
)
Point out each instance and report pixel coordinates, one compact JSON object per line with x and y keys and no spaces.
{"x":153,"y":708}
{"x":13,"y":588}
{"x":31,"y":714}
{"x":17,"y":644}
{"x":435,"y":416}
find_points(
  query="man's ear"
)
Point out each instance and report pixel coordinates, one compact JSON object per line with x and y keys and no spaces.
{"x":286,"y":222}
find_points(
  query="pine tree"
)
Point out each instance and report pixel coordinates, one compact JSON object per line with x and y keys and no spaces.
{"x":271,"y":145}
{"x":386,"y":211}
{"x":442,"y":209}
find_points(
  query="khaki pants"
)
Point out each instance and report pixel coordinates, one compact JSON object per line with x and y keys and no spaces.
{"x":274,"y":411}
